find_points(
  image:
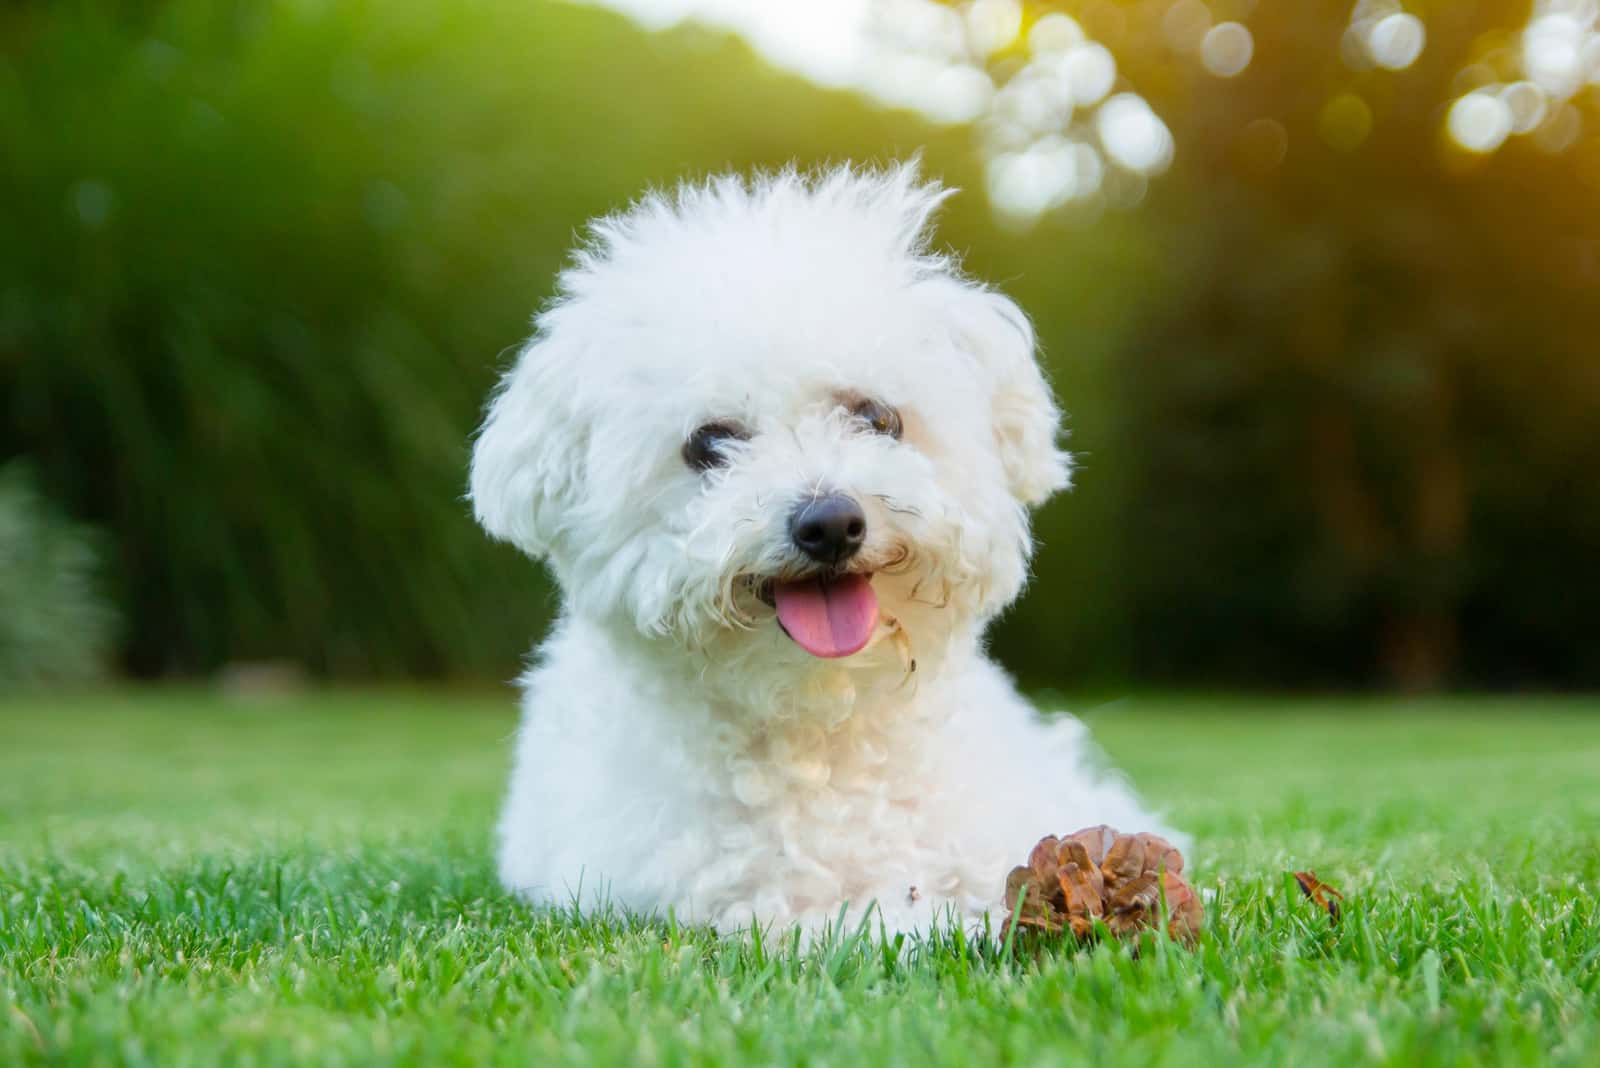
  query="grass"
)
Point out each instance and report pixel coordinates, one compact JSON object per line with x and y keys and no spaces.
{"x":189,"y":880}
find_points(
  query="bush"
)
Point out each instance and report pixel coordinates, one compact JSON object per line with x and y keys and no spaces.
{"x":54,"y":625}
{"x":1358,"y":434}
{"x":261,"y":262}
{"x":251,"y":305}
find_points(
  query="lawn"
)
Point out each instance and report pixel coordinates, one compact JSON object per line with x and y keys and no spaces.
{"x":190,"y":880}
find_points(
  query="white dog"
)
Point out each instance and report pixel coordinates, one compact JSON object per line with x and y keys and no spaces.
{"x":779,"y":457}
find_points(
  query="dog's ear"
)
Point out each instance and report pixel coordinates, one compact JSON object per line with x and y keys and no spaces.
{"x":528,"y":460}
{"x":1024,"y":414}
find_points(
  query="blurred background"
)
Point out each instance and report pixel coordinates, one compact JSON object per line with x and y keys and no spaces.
{"x":1318,"y":282}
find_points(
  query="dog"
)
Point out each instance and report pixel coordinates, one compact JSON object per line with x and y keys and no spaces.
{"x":779,"y":454}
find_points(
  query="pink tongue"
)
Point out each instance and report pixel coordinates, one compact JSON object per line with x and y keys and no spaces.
{"x":830,"y":618}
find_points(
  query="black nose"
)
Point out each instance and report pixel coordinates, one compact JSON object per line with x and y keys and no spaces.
{"x":828,"y":529}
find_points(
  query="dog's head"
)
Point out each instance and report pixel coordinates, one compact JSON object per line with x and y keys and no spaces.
{"x":763,"y":422}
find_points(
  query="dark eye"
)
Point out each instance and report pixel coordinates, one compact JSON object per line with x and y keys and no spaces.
{"x":704,"y":448}
{"x":877,"y":415}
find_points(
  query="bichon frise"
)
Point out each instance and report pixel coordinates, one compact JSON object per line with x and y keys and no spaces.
{"x":779,"y":456}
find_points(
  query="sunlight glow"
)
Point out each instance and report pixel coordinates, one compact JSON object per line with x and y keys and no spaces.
{"x":1559,"y":57}
{"x":825,"y":40}
{"x":1046,"y":120}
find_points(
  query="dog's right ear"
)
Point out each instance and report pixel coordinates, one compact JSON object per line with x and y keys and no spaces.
{"x":528,"y":460}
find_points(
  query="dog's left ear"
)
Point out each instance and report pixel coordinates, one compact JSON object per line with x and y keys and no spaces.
{"x":1025,"y":417}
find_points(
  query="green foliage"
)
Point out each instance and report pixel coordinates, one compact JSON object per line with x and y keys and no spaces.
{"x":293,"y":890}
{"x":1358,"y":431}
{"x":249,"y":320}
{"x":55,"y":626}
{"x":260,"y":263}
{"x":250,"y":308}
{"x":1387,"y":497}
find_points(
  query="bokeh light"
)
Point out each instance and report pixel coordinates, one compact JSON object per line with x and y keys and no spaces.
{"x":1381,"y":34}
{"x":1185,"y":24}
{"x":1558,"y":56}
{"x":1527,"y":104}
{"x":1345,"y":122}
{"x":1035,"y":78}
{"x":1553,"y":51}
{"x":993,"y":24}
{"x":1560,"y":129}
{"x":1480,"y":121}
{"x":1227,"y":48}
{"x":1048,"y":174}
{"x":1395,"y":41}
{"x":1054,"y":32}
{"x":1133,"y":135}
{"x":1091,"y":71}
{"x":1347,"y":251}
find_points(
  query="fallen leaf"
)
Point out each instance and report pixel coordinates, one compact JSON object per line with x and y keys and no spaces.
{"x":1325,"y":896}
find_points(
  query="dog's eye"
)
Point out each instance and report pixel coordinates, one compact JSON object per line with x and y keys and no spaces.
{"x":879,"y":416}
{"x":704,"y":448}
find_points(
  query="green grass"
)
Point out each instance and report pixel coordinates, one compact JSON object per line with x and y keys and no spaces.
{"x":188,"y":880}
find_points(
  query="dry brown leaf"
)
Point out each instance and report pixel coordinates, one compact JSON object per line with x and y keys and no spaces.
{"x":1325,"y":896}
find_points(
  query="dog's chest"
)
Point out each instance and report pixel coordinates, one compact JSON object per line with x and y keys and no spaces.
{"x":834,"y":797}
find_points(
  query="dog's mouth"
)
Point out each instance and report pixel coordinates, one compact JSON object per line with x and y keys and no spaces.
{"x":828,"y":615}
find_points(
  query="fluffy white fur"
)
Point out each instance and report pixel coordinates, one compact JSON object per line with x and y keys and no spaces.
{"x":678,"y":751}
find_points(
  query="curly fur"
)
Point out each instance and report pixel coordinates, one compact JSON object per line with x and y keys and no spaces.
{"x":678,"y":751}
